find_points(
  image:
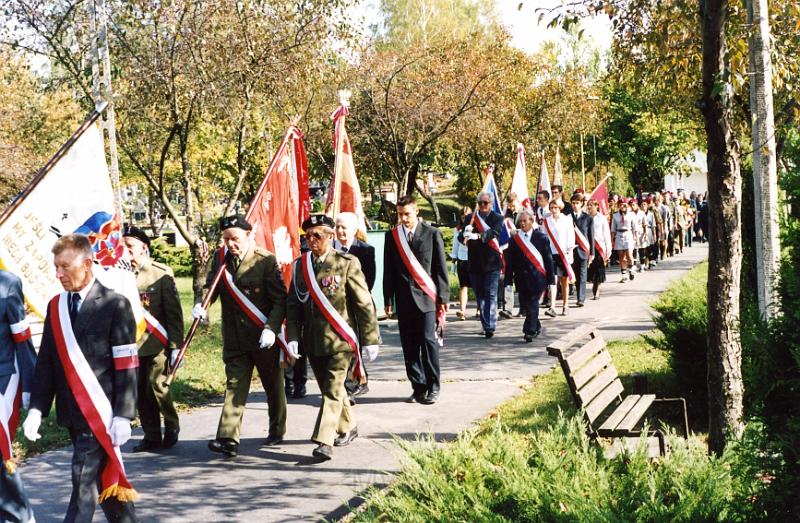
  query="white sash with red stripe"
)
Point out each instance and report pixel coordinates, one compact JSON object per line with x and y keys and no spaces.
{"x":581,"y":240}
{"x":90,"y":397}
{"x":415,"y":269}
{"x":550,"y":227}
{"x":531,"y":253}
{"x":482,"y":228}
{"x":335,"y":319}
{"x":599,"y":248}
{"x":155,"y":328}
{"x":10,"y":400}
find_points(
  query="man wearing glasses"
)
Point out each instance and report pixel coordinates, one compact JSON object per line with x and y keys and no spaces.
{"x":485,"y":259}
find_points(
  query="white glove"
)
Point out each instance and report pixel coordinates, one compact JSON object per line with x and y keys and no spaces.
{"x":26,"y":400}
{"x":267,"y":338}
{"x":468,"y":229}
{"x":198,"y":312}
{"x":372,"y":352}
{"x":293,"y":350}
{"x":173,"y":356}
{"x":120,"y":431}
{"x":474,"y":236}
{"x":31,"y":426}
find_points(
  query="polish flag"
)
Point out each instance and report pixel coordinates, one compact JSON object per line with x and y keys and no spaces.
{"x":519,"y":183}
{"x":600,"y":193}
{"x":344,"y":194}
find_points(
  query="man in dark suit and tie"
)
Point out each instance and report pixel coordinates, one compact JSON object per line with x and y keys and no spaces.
{"x":99,"y":356}
{"x":531,"y":282}
{"x":346,"y":242}
{"x":582,"y":259}
{"x":17,"y":359}
{"x":415,"y":280}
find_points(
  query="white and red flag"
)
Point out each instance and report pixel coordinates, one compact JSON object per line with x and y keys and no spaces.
{"x":600,"y":193}
{"x":558,"y":174}
{"x":519,"y":183}
{"x":544,"y":177}
{"x":344,"y":194}
{"x":281,"y":202}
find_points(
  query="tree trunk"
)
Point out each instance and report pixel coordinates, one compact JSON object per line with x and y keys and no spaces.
{"x":765,"y":166}
{"x":411,"y":179}
{"x":725,"y":387}
{"x":431,"y":200}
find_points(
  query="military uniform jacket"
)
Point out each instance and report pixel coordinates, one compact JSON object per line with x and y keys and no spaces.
{"x":105,"y":320}
{"x":260,"y":279}
{"x":12,"y":312}
{"x":159,"y":297}
{"x":341,"y":280}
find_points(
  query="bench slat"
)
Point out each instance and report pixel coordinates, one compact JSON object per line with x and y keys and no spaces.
{"x":620,"y":412}
{"x":636,"y":413}
{"x":597,"y":384}
{"x":603,"y":400}
{"x":585,"y":373}
{"x":555,"y":348}
{"x":580,"y":356}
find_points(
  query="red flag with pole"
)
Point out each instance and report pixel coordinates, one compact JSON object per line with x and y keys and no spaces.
{"x":600,"y":193}
{"x":344,"y":194}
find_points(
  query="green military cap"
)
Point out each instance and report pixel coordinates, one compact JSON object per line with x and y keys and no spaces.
{"x":317,"y":220}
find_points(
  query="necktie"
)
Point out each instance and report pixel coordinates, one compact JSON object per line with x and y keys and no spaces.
{"x":410,"y":237}
{"x":235,"y":263}
{"x":315,"y":264}
{"x":74,"y":304}
{"x":344,"y":249}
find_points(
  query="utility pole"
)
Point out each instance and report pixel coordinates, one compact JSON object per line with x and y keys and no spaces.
{"x":583,"y":167}
{"x":102,"y":91}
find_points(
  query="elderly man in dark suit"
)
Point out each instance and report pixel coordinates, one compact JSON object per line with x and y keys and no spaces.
{"x":485,"y":259}
{"x":419,"y":297}
{"x":347,"y":242}
{"x":104,"y":331}
{"x":17,"y":359}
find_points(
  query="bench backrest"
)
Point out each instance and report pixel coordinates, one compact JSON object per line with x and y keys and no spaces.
{"x":592,"y":378}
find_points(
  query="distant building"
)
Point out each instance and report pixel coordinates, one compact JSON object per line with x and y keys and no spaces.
{"x":691,"y":175}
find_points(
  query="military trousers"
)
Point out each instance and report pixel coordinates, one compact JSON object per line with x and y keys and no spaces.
{"x":335,"y":415}
{"x":155,"y":399}
{"x":239,"y":367}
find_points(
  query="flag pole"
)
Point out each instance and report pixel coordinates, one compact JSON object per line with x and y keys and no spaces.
{"x":607,"y":176}
{"x":91,"y":119}
{"x":290,"y":133}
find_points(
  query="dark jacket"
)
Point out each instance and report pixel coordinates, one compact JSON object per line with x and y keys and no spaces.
{"x":366,"y":255}
{"x":105,"y":321}
{"x":482,"y":257}
{"x":584,"y":224}
{"x":526,"y":277}
{"x":15,"y":336}
{"x":399,"y":286}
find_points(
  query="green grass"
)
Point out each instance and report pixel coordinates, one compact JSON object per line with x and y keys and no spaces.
{"x":201,"y":378}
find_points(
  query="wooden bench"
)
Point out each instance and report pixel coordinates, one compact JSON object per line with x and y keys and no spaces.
{"x":596,"y":388}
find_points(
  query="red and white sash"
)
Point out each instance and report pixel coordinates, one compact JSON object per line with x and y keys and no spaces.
{"x":550,"y":227}
{"x":482,"y":227}
{"x":581,"y":240}
{"x":599,"y":248}
{"x":335,"y":319}
{"x":531,"y":253}
{"x":90,"y":397}
{"x":258,"y":318}
{"x":155,"y":328}
{"x":10,"y":400}
{"x":415,"y":269}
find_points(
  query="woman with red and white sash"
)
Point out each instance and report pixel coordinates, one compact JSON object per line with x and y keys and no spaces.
{"x":561,"y":230}
{"x":88,"y":362}
{"x":602,"y":247}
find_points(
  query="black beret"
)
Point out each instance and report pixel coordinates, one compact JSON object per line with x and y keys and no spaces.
{"x":135,"y":232}
{"x":237,"y":220}
{"x":316,"y":220}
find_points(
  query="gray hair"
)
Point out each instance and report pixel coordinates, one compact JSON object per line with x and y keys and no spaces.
{"x":348,"y":219}
{"x":74,"y":242}
{"x":485,"y":193}
{"x":525,"y":212}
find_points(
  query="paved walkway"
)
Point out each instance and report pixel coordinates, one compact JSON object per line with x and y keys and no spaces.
{"x":189,"y":484}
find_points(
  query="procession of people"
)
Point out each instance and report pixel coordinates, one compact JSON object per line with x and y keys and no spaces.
{"x":101,"y":377}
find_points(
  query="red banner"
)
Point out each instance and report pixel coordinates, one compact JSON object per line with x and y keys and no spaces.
{"x":344,"y":194}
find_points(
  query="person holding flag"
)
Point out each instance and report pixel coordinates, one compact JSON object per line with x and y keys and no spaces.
{"x":602,"y":247}
{"x":561,"y":231}
{"x":163,"y":336}
{"x":253,"y":299}
{"x":485,"y":259}
{"x":330,"y":310}
{"x":529,"y":264}
{"x":584,"y":246}
{"x":17,"y":361}
{"x":415,"y":280}
{"x":88,"y":362}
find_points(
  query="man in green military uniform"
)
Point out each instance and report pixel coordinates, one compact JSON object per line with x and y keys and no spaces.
{"x":162,"y":338}
{"x":253,"y":299}
{"x":330,"y":309}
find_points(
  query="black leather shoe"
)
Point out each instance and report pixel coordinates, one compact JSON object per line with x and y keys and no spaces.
{"x":361,"y":390}
{"x":430,"y":398}
{"x":344,"y":439}
{"x":528,"y":338}
{"x":299,"y":392}
{"x":273,"y":439}
{"x":170,"y":438}
{"x":418,"y":397}
{"x":488,"y":334}
{"x":351,"y":399}
{"x":147,"y":445}
{"x":579,"y":304}
{"x":228,"y":447}
{"x":323,"y":452}
{"x":289,"y":391}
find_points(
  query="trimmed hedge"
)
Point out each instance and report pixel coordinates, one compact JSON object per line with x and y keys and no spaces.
{"x":178,"y":258}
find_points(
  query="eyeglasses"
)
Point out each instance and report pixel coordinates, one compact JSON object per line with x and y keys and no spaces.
{"x":316,"y":235}
{"x":484,"y":202}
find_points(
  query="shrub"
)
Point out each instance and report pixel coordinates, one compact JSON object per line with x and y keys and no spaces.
{"x":178,"y":258}
{"x":681,"y":318}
